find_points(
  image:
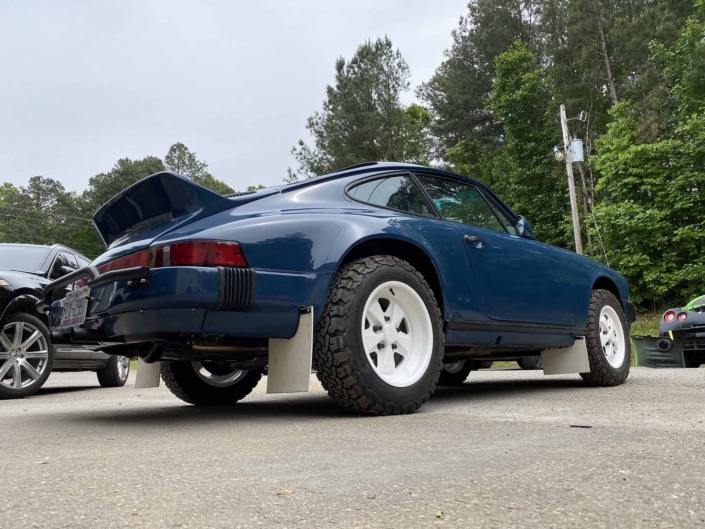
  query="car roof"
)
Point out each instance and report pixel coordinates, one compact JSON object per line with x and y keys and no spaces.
{"x":51,"y":247}
{"x":373,"y":168}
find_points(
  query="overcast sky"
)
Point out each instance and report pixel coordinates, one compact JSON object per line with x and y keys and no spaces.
{"x":85,"y":83}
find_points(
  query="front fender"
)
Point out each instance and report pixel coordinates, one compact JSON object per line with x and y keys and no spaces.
{"x":23,"y":303}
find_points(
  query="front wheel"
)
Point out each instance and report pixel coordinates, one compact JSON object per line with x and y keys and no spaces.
{"x":26,"y":356}
{"x":607,"y":341}
{"x":209,"y":383}
{"x":379,"y":342}
{"x":115,"y":373}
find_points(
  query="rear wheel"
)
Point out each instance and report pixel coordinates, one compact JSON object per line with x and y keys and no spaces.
{"x":530,"y":362}
{"x":609,"y":351}
{"x":455,"y":373}
{"x":379,"y":341}
{"x":209,"y":383}
{"x":115,"y":373}
{"x":26,"y":356}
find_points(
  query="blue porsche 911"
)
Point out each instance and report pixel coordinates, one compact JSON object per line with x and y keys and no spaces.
{"x":388,"y":279}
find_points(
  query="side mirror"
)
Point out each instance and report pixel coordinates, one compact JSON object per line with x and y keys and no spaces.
{"x":65,"y":270}
{"x":520,"y":226}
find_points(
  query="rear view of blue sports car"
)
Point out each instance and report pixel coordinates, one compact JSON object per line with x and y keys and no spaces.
{"x":390,"y":279}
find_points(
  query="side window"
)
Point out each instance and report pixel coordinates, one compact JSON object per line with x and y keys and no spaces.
{"x":503,"y":218}
{"x":396,"y":192}
{"x":63,"y":259}
{"x":461,"y":203}
{"x":82,"y":262}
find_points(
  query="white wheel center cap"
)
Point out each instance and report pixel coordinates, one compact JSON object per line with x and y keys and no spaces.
{"x":390,"y":333}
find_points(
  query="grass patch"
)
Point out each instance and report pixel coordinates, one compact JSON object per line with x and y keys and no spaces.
{"x":646,"y":323}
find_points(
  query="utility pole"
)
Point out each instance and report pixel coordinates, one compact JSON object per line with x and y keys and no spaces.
{"x":571,"y":183}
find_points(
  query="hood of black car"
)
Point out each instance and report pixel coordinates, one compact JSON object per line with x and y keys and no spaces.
{"x":9,"y":275}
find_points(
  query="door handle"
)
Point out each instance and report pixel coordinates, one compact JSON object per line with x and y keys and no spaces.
{"x":476,"y":240}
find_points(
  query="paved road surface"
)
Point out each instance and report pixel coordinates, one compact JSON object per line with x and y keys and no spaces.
{"x":499,"y":451}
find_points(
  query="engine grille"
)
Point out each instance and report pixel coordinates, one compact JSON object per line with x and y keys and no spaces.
{"x":236,"y":289}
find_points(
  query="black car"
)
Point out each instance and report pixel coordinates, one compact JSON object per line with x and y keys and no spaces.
{"x":27,"y":356}
{"x":690,"y":316}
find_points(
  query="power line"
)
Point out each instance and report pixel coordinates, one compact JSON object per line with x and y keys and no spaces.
{"x":27,"y":210}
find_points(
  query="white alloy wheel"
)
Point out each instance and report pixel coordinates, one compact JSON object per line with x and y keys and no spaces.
{"x":123,"y":367}
{"x":24,"y":355}
{"x":454,"y":367}
{"x":612,"y":337}
{"x":218,"y":374}
{"x":397,"y":334}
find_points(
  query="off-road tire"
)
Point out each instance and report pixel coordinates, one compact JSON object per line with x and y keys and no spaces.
{"x":341,"y":363}
{"x":456,"y":379}
{"x":31,"y":390}
{"x":182,"y":381}
{"x":109,"y":377}
{"x":601,"y":372}
{"x":530,"y":362}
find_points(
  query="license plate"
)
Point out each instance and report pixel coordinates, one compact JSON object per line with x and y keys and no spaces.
{"x":75,"y":305}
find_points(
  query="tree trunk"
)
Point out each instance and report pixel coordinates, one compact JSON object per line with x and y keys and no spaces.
{"x":608,"y":65}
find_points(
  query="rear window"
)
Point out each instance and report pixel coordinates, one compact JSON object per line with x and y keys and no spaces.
{"x":394,"y":192}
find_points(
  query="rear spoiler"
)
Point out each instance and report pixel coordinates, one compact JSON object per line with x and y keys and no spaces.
{"x":157,"y":203}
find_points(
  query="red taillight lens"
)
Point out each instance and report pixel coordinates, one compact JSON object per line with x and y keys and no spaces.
{"x":193,"y":253}
{"x":669,"y":317}
{"x":683,"y":316}
{"x":128,"y":261}
{"x":199,"y":253}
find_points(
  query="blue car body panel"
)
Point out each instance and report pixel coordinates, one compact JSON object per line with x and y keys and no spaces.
{"x":295,"y":238}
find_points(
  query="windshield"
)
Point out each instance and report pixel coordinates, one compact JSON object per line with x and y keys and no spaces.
{"x":25,"y":258}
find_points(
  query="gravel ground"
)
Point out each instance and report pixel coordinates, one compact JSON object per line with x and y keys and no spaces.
{"x":498,"y":451}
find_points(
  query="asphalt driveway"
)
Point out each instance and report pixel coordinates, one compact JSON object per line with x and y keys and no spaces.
{"x":498,"y":451}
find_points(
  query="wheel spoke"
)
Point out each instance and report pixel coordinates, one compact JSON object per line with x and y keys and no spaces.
{"x":30,"y":370}
{"x":375,"y":313}
{"x":4,"y":369}
{"x":31,"y":340}
{"x":371,"y":339}
{"x":395,"y":313}
{"x":604,"y":338}
{"x":4,"y":355}
{"x":385,"y":361}
{"x":403,"y":344}
{"x":19,"y":331}
{"x":4,"y":341}
{"x":16,"y":376}
{"x":604,"y":329}
{"x":33,"y":355}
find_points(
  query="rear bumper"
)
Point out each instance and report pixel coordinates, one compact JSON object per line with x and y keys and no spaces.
{"x":175,"y":302}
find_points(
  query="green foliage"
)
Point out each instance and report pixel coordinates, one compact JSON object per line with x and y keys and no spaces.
{"x":181,"y":160}
{"x":652,"y":206}
{"x":43,"y":212}
{"x":362,"y":118}
{"x":524,"y":173}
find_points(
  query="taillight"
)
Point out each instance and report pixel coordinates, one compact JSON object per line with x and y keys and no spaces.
{"x":683,"y":316}
{"x":192,"y":253}
{"x":128,"y":261}
{"x":669,"y":317}
{"x":199,"y":253}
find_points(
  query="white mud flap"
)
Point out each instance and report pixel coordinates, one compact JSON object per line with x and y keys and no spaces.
{"x":568,"y":360}
{"x":290,"y":360}
{"x":147,"y":374}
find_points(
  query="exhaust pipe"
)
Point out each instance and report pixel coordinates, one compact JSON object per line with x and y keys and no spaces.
{"x":664,"y":345}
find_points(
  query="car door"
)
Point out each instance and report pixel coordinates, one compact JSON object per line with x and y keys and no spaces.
{"x":519,"y":279}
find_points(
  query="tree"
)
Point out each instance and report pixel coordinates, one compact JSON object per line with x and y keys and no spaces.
{"x":652,"y":208}
{"x":181,"y":160}
{"x":524,"y":173}
{"x":362,"y":118}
